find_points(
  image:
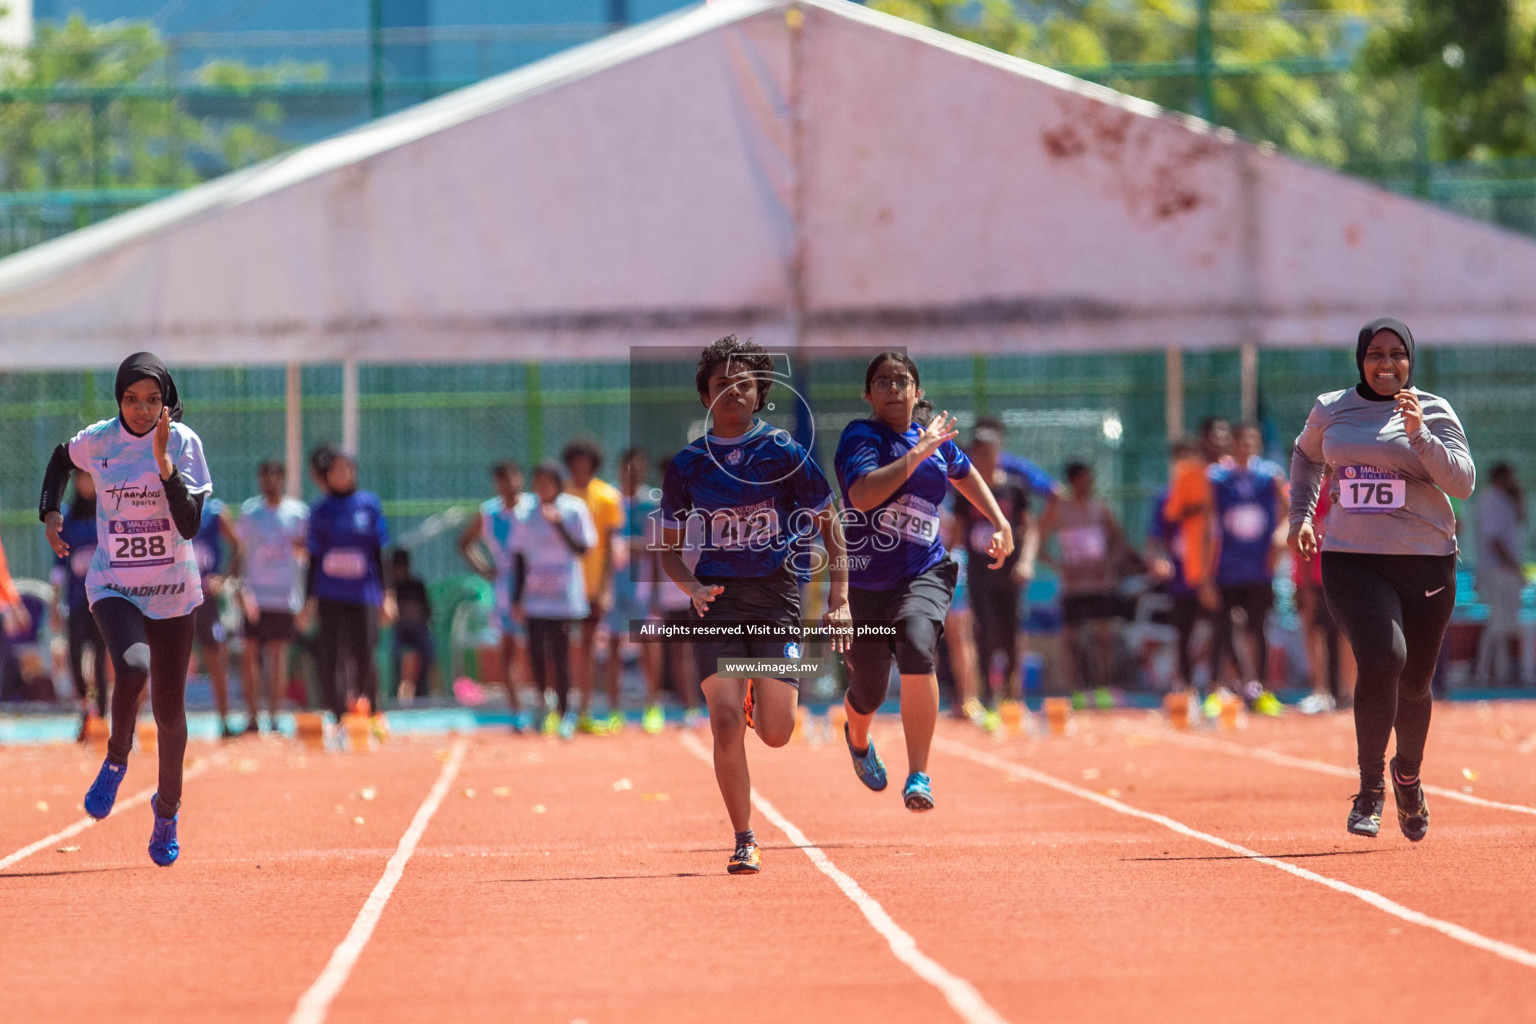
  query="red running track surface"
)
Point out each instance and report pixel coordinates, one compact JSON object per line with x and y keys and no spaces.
{"x":585,"y":881}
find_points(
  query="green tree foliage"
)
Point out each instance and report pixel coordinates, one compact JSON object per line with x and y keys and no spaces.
{"x":54,"y":134}
{"x":1284,"y":74}
{"x":1476,"y":63}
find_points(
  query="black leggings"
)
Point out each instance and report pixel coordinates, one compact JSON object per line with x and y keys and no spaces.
{"x":549,"y":647}
{"x":995,"y":623}
{"x":348,"y":632}
{"x":1394,"y":610}
{"x":918,"y":606}
{"x":81,"y":629}
{"x":144,"y":649}
{"x":1185,"y":613}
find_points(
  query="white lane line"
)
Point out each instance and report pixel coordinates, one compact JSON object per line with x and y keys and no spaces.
{"x":1497,"y":947}
{"x":314,"y":1004}
{"x":1273,"y":757}
{"x":143,"y":795}
{"x":959,"y":993}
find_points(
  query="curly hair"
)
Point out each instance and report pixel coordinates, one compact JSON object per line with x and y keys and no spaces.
{"x":739,"y":356}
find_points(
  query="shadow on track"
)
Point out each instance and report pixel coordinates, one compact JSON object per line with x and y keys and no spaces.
{"x":55,"y":874}
{"x":601,"y":878}
{"x":1272,"y":856}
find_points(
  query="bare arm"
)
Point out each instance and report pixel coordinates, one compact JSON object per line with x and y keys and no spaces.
{"x":471,"y":550}
{"x":975,"y":490}
{"x":874,"y":487}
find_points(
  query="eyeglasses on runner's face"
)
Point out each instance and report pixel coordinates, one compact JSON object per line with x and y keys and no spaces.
{"x":885,"y":385}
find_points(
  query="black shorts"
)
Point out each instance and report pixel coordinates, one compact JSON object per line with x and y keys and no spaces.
{"x":207,"y":628}
{"x":1255,"y":599}
{"x":766,"y":599}
{"x":1081,"y":608}
{"x":920,"y":606}
{"x":270,"y":627}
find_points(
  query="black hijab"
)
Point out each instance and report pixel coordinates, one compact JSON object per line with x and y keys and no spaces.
{"x":147,"y":366}
{"x":1363,"y":342}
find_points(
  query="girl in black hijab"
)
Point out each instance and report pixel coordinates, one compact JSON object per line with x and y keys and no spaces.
{"x":142,"y":584}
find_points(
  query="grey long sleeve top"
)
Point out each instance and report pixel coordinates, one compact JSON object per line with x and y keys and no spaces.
{"x":1364,"y":442}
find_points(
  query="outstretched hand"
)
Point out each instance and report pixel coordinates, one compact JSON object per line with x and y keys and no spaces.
{"x":940,"y":429}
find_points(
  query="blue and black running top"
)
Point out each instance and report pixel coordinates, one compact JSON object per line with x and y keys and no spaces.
{"x":751,"y":497}
{"x":1247,"y":515}
{"x":347,"y":537}
{"x":900,"y":538}
{"x":79,"y":532}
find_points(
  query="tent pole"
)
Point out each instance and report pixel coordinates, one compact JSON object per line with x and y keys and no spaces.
{"x":1250,"y":375}
{"x":293,"y":451}
{"x":349,"y":432}
{"x":794,"y":19}
{"x":1173,"y":397}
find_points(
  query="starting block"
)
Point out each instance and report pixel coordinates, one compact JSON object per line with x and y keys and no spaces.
{"x":97,"y":732}
{"x":1011,"y":712}
{"x":1233,"y":714}
{"x":1177,"y":707}
{"x":148,"y":734}
{"x":309,"y":729}
{"x":1058,"y":714}
{"x":359,"y":732}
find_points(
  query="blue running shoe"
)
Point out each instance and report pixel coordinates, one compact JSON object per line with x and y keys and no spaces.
{"x":867,"y":766}
{"x":103,"y":792}
{"x":163,"y":847}
{"x":918,"y":793}
{"x":522,"y":722}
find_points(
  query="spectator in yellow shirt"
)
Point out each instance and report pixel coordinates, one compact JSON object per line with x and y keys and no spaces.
{"x":582,"y":459}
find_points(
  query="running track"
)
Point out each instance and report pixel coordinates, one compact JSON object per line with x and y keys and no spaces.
{"x":1125,"y":873}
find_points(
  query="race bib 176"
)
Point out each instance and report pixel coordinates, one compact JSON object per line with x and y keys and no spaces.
{"x":1368,"y":489}
{"x":139,"y":543}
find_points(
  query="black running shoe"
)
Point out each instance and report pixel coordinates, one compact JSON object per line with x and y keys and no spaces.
{"x":1365,"y":814}
{"x":1412,"y":811}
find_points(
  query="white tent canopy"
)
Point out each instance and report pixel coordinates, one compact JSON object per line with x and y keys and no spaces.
{"x":807,"y":171}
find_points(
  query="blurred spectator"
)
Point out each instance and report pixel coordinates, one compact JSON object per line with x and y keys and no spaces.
{"x":1090,"y":548}
{"x":414,"y":652}
{"x":68,"y":577}
{"x":605,"y":508}
{"x":272,"y":528}
{"x":1330,"y":659}
{"x":486,"y":544}
{"x":1500,"y":574}
{"x":1250,"y":506}
{"x":635,"y":576}
{"x":993,"y":594}
{"x":348,"y":582}
{"x":17,"y":622}
{"x":1190,"y":504}
{"x":213,"y":534}
{"x":1165,"y":550}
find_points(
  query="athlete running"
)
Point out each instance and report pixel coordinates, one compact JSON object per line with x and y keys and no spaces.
{"x":634,"y":586}
{"x":151,"y":482}
{"x":756,"y":493}
{"x":1389,"y":553}
{"x":894,"y":469}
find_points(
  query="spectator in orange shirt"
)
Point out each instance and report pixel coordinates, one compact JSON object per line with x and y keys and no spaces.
{"x":1191,"y":505}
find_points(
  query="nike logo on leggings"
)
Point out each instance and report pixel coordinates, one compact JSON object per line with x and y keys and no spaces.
{"x":1432,"y":593}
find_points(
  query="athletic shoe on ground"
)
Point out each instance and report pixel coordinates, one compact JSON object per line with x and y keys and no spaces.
{"x":692,"y":718}
{"x":1315,"y":704}
{"x":587,"y":724}
{"x":551,"y":723}
{"x":1211,"y":706}
{"x":613,"y":724}
{"x":1079,"y":701}
{"x":917,"y":794}
{"x":225,"y":731}
{"x":991,"y":721}
{"x":103,"y":792}
{"x":974,"y":710}
{"x":654,"y":720}
{"x":1412,"y":811}
{"x":521,"y":722}
{"x":746,"y":705}
{"x":867,"y":766}
{"x":1268,"y":704}
{"x":566,"y":729}
{"x":745,"y":861}
{"x":163,"y":846}
{"x":1103,"y":699}
{"x":1365,"y":812}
